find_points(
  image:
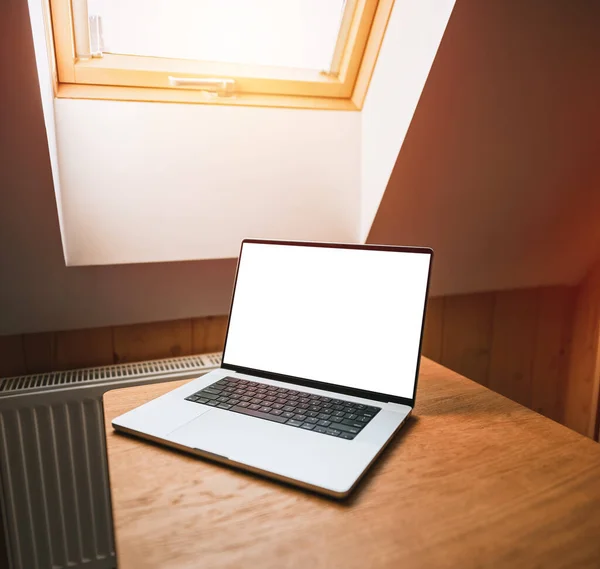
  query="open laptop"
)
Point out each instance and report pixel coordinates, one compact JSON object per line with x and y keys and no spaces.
{"x":319,"y":369}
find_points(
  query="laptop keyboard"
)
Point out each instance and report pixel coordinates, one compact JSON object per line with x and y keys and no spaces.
{"x":324,"y":415}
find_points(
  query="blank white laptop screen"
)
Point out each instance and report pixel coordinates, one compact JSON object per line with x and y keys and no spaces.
{"x":349,"y":317}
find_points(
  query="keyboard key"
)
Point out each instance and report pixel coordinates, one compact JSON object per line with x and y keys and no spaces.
{"x":208,"y":395}
{"x":364,"y":419}
{"x":324,"y":423}
{"x":245,"y":398}
{"x":289,"y":408}
{"x":202,"y":400}
{"x":294,"y":423}
{"x":223,"y":399}
{"x":276,"y":412}
{"x":212,"y":403}
{"x":338,"y":407}
{"x":287,"y":414}
{"x":254,"y":407}
{"x":324,"y":416}
{"x":256,"y":400}
{"x":212,"y":390}
{"x":338,"y":414}
{"x":281,"y":400}
{"x":277,"y":406}
{"x":345,"y":428}
{"x":311,"y":420}
{"x":270,"y":399}
{"x":265,"y":409}
{"x":302,"y":406}
{"x":334,"y":432}
{"x":307,"y":426}
{"x":351,"y":415}
{"x":347,"y":436}
{"x":294,"y":398}
{"x":243,"y":404}
{"x":327,"y":405}
{"x":311,"y":413}
{"x":360,"y":406}
{"x":299,"y":417}
{"x":353,"y":423}
{"x":318,"y":429}
{"x":258,"y":414}
{"x":233,"y":401}
{"x":315,"y":407}
{"x":224,"y":406}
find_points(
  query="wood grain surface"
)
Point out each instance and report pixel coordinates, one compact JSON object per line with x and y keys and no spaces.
{"x":473,"y":480}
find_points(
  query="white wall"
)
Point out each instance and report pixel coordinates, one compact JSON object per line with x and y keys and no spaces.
{"x":147,"y":182}
{"x":413,"y":34}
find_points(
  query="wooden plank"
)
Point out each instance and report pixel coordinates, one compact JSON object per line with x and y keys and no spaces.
{"x":208,"y":334}
{"x":581,"y":393}
{"x":12,"y":356}
{"x":83,"y":348}
{"x":551,"y":355}
{"x":434,"y":325}
{"x":513,"y":344}
{"x":140,"y":342}
{"x":476,"y":481}
{"x":39,"y":352}
{"x":467,"y":340}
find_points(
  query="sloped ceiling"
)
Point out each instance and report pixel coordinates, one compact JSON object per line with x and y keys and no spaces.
{"x":500,"y":169}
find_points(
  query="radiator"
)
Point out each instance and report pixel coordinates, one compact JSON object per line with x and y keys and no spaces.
{"x":54,"y":491}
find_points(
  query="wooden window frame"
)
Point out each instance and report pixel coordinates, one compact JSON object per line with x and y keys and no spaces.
{"x":138,"y":78}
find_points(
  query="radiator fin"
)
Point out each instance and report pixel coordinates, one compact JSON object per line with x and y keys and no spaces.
{"x":155,"y":368}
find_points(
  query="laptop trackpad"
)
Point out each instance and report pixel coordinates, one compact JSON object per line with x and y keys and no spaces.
{"x":272,"y":447}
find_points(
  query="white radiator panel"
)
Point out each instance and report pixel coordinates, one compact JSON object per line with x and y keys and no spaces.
{"x":53,"y":471}
{"x":55,"y":480}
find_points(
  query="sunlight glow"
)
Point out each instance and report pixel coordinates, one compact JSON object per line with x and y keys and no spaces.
{"x":285,"y":33}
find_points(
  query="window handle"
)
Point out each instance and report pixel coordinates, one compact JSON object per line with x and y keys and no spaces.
{"x":223,"y":87}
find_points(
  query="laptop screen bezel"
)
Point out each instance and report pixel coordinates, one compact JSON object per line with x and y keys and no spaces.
{"x":332,"y":387}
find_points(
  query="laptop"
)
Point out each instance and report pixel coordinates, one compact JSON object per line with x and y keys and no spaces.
{"x":319,"y":369}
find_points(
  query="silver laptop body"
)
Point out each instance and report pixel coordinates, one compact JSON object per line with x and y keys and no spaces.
{"x":319,"y":369}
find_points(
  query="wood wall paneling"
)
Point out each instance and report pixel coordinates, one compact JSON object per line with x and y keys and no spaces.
{"x":83,"y":348}
{"x":581,"y":404}
{"x":208,"y":334}
{"x":12,"y":357}
{"x":513,"y":344}
{"x":140,"y":342}
{"x":39,"y":352}
{"x":434,"y":328}
{"x":467,"y":341}
{"x":551,"y":353}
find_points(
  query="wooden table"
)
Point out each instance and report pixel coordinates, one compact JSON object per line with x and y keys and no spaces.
{"x":473,"y":480}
